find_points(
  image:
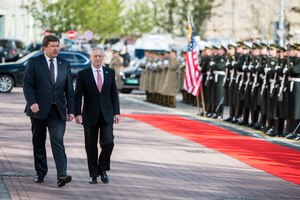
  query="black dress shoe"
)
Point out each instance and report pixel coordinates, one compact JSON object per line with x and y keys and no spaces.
{"x":209,"y":115}
{"x":292,"y":136}
{"x":272,"y":133}
{"x":93,"y":180}
{"x":251,"y":125}
{"x":39,"y":179}
{"x":215,"y":116}
{"x":104,"y":177}
{"x":63,"y":180}
{"x":243,"y":123}
{"x":228,"y":119}
{"x":257,"y":126}
{"x":235,"y":120}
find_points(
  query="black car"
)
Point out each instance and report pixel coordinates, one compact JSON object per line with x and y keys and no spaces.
{"x":12,"y":49}
{"x":129,"y":77}
{"x":12,"y":74}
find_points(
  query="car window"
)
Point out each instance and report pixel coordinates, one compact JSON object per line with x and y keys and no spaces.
{"x":4,"y":44}
{"x":73,"y":58}
{"x":80,"y":59}
{"x":69,"y":57}
{"x":20,"y":45}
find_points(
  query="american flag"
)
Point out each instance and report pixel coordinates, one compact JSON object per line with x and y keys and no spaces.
{"x":193,"y":77}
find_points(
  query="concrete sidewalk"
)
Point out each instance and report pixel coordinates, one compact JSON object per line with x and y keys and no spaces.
{"x":147,"y":163}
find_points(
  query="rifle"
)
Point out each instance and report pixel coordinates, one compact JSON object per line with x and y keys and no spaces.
{"x":226,"y":73}
{"x":255,"y":82}
{"x":210,"y":73}
{"x":274,"y":83}
{"x":242,"y":78}
{"x":232,"y":73}
{"x":250,"y":66}
{"x":284,"y":78}
{"x":265,"y":83}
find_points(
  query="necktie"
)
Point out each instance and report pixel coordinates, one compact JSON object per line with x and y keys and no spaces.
{"x":99,"y":80}
{"x":52,"y":70}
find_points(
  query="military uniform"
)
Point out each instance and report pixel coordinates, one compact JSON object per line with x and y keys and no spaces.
{"x":116,"y":65}
{"x":254,"y":98}
{"x":217,"y":83}
{"x":170,"y":87}
{"x":228,"y":83}
{"x":294,"y":89}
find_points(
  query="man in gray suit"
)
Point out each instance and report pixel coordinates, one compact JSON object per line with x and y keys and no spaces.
{"x":48,"y":90}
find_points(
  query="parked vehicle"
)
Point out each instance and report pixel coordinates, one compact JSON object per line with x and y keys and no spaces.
{"x":130,"y":77}
{"x":32,"y":47}
{"x":12,"y":74}
{"x":12,"y":49}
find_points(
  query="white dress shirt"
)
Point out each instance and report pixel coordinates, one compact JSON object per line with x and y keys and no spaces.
{"x":95,"y":74}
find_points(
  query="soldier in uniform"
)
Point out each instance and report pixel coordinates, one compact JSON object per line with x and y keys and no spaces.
{"x":116,"y":65}
{"x":235,"y":82}
{"x":254,"y":93}
{"x":239,"y":81}
{"x":281,"y":111}
{"x":261,"y":80}
{"x":217,"y":83}
{"x":268,"y":89}
{"x":170,"y":87}
{"x":245,"y":84}
{"x":210,"y":81}
{"x":294,"y":89}
{"x":143,"y":67}
{"x":159,"y":79}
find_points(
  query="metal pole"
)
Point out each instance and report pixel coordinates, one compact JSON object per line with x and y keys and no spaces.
{"x":281,"y":23}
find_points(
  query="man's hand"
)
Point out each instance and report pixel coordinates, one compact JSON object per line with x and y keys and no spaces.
{"x":79,"y":119}
{"x":70,"y":117}
{"x":117,"y":119}
{"x":34,"y":108}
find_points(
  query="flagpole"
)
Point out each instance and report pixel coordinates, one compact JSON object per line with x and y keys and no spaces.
{"x":202,"y":99}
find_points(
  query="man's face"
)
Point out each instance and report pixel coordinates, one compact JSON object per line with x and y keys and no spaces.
{"x":97,"y":58}
{"x":52,"y":49}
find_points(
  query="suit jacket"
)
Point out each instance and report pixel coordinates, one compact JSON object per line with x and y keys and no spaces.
{"x":95,"y":103}
{"x":38,"y":87}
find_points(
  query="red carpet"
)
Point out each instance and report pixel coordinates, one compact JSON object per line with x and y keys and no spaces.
{"x":277,"y":160}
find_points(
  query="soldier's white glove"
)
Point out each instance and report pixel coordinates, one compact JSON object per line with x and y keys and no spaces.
{"x":277,"y":67}
{"x":250,"y":66}
{"x":267,"y":69}
{"x":233,"y":63}
{"x":244,"y":67}
{"x":166,"y":62}
{"x":285,"y":69}
{"x":211,"y":63}
{"x":200,"y":69}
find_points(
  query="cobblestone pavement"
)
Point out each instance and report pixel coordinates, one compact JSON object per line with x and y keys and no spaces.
{"x":147,"y":163}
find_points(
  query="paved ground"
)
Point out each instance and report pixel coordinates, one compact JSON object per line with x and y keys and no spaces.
{"x":147,"y":163}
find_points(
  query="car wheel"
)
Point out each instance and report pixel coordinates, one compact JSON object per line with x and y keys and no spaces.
{"x":126,"y":90}
{"x":6,"y":83}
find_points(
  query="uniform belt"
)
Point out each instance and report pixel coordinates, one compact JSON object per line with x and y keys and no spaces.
{"x":217,"y":73}
{"x":293,"y":80}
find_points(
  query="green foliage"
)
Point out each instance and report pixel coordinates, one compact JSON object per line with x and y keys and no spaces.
{"x":171,"y":15}
{"x":110,"y":18}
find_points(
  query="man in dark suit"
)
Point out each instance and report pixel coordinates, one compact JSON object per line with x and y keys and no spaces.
{"x":48,"y":90}
{"x":100,"y":110}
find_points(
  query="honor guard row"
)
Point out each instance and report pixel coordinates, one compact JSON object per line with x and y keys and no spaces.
{"x":259,"y":83}
{"x":159,"y":78}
